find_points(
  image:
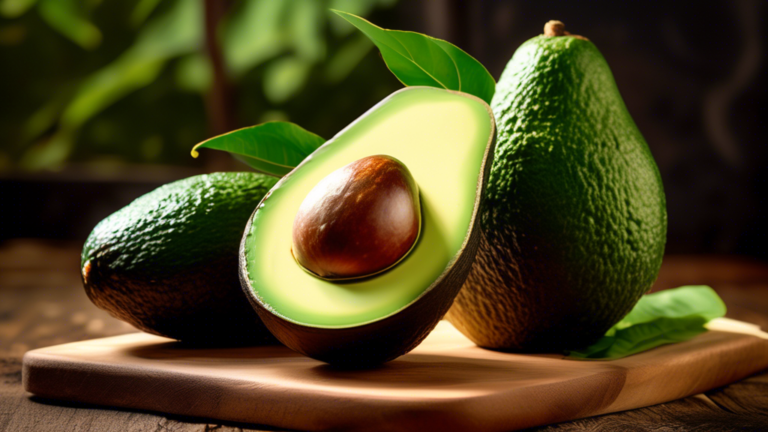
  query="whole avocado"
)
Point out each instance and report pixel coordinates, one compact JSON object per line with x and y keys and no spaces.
{"x":168,"y":262}
{"x":574,"y":218}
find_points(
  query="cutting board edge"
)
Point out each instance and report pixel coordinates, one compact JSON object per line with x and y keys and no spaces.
{"x":457,"y":414}
{"x":453,"y":414}
{"x":741,"y":346}
{"x":37,"y":365}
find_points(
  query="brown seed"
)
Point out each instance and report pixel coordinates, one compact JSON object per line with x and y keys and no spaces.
{"x":359,"y":220}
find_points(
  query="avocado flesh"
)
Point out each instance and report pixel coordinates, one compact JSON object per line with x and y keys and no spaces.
{"x":574,"y":217}
{"x":442,"y":138}
{"x":168,"y":262}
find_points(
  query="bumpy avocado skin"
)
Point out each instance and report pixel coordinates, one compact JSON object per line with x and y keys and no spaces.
{"x":574,"y":218}
{"x":168,"y":262}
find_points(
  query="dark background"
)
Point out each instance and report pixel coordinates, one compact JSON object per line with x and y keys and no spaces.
{"x":692,"y":75}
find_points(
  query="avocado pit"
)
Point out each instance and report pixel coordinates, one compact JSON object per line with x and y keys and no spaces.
{"x":358,"y":221}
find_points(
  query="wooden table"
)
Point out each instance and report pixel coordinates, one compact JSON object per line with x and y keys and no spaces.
{"x":42,"y":303}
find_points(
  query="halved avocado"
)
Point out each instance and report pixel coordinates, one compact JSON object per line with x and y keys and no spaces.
{"x":446,"y":140}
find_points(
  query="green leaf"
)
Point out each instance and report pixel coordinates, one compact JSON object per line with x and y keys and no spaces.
{"x":49,"y":153}
{"x":47,"y":115}
{"x":305,"y":26}
{"x":284,"y":78}
{"x":680,"y":302}
{"x":193,"y":73}
{"x":346,"y":58}
{"x":15,"y":8}
{"x":109,"y":85}
{"x":273,"y":148}
{"x":66,"y":17}
{"x":142,"y":10}
{"x":175,"y":33}
{"x":171,"y":34}
{"x":661,"y":318}
{"x":255,"y":34}
{"x":355,"y":7}
{"x":420,"y":60}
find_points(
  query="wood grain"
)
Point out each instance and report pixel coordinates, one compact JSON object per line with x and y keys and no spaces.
{"x":42,"y":303}
{"x":446,"y":383}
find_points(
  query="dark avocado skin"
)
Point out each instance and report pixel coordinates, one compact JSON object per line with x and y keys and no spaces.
{"x":574,"y":217}
{"x":369,"y":344}
{"x":168,"y":262}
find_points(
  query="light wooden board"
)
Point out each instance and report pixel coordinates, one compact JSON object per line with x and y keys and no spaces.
{"x":447,"y":383}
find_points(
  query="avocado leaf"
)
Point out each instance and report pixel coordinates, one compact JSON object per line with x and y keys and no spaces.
{"x":660,"y":318}
{"x":67,"y":17}
{"x":420,"y":60}
{"x":273,"y":148}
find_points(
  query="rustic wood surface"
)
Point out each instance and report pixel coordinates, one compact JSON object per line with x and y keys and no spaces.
{"x":42,"y":303}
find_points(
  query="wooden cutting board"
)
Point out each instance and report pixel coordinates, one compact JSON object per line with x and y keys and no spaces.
{"x":447,"y":383}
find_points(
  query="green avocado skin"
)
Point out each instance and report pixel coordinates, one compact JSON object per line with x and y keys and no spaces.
{"x":168,"y":262}
{"x":574,"y":217}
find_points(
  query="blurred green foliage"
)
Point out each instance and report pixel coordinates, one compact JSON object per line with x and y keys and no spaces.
{"x":95,"y":82}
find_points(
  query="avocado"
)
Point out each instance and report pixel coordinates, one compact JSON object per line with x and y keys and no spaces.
{"x":167,"y":263}
{"x":360,"y":220}
{"x":445,"y":140}
{"x":574,"y":217}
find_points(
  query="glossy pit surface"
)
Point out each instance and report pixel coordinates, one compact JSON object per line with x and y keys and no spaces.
{"x":441,"y":137}
{"x":358,"y":221}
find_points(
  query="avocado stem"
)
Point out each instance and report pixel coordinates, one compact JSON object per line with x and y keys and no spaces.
{"x":556,"y":28}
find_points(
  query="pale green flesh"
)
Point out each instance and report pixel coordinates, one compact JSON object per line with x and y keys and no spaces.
{"x":441,"y":137}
